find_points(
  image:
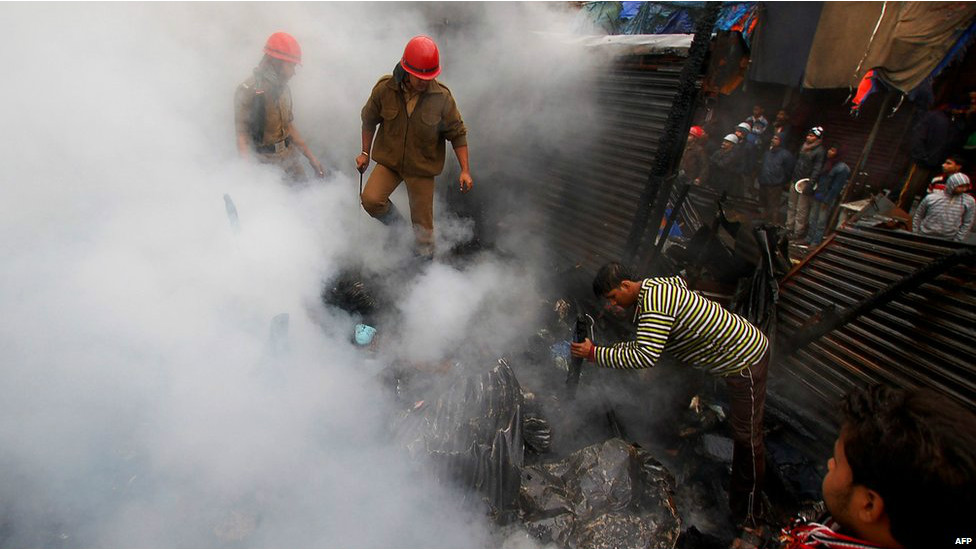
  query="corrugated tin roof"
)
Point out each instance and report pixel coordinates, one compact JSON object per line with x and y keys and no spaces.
{"x":925,"y":336}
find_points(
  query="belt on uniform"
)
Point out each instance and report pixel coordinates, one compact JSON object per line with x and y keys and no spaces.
{"x":275,"y":147}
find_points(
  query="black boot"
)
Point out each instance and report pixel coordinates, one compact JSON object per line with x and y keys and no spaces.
{"x":392,"y":216}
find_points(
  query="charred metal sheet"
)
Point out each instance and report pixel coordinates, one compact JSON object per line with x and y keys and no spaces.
{"x":653,"y":201}
{"x":592,"y":185}
{"x":923,"y":336}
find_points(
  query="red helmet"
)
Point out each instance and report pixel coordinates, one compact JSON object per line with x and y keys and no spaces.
{"x":421,"y":59}
{"x":697,"y":132}
{"x":282,"y":45}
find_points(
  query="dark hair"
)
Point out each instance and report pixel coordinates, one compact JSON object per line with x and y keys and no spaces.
{"x":609,"y":277}
{"x":399,"y":73}
{"x":957,"y":158}
{"x":916,"y":449}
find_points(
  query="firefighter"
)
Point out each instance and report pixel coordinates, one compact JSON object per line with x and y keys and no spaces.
{"x":415,"y":114}
{"x":263,"y":111}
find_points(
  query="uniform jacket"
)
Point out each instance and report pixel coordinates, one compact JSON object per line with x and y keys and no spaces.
{"x":944,"y":214}
{"x":722,"y":165}
{"x":263,"y":86}
{"x":694,"y":162}
{"x":412,"y":145}
{"x":777,"y":165}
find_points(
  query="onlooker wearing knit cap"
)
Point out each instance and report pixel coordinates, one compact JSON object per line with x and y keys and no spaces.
{"x":949,"y":213}
{"x":809,"y":163}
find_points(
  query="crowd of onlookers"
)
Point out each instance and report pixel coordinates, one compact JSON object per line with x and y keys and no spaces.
{"x":763,"y":161}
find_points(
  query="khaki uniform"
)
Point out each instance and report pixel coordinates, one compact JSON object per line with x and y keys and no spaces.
{"x":274,"y":145}
{"x":409,"y":146}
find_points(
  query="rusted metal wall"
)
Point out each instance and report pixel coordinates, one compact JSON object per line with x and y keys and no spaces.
{"x":888,"y":160}
{"x":924,"y":337}
{"x":589,"y":193}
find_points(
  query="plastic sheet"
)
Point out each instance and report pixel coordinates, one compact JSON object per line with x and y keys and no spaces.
{"x":607,"y":495}
{"x":473,"y":432}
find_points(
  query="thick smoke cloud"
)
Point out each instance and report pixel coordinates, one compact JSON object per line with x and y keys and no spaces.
{"x":144,"y":400}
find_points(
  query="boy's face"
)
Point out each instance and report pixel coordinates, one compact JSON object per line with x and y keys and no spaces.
{"x":838,"y":485}
{"x":757,"y":111}
{"x":624,"y":295}
{"x":950,"y":166}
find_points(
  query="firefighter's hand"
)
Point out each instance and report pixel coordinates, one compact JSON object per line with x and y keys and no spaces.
{"x":465,"y":182}
{"x":581,"y":350}
{"x":362,"y":162}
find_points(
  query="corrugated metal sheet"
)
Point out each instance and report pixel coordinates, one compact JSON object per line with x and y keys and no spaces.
{"x":590,"y":190}
{"x":924,"y":337}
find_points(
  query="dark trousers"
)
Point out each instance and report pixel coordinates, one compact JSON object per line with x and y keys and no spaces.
{"x":771,"y":200}
{"x":747,"y":397}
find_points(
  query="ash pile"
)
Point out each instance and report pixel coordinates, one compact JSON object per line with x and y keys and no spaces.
{"x":584,"y":468}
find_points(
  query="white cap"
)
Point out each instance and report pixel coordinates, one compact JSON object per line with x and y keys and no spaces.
{"x":732,"y":138}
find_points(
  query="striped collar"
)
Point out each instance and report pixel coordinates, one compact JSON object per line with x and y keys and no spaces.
{"x":814,"y":535}
{"x":646,"y":285}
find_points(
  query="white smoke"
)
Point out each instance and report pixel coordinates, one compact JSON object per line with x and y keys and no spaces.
{"x":143,"y":398}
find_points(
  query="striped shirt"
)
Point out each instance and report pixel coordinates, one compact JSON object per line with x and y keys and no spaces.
{"x":694,"y":329}
{"x":945,"y":215}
